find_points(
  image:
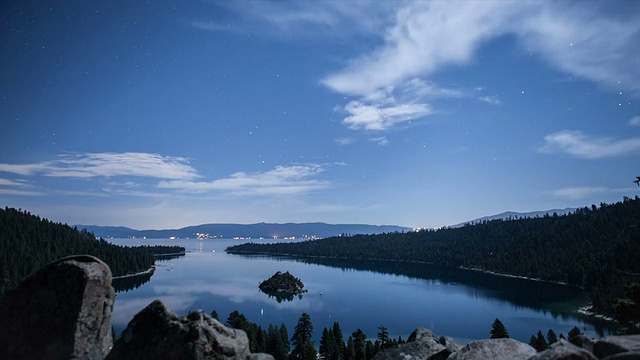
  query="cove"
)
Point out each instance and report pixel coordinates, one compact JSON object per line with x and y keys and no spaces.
{"x":401,"y":296}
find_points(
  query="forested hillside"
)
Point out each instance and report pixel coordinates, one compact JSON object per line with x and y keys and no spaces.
{"x":596,"y":248}
{"x":28,"y":242}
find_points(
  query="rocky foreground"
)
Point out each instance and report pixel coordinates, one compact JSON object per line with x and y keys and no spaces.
{"x":63,"y":311}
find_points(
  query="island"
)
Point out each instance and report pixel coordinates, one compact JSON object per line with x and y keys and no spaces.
{"x":282,"y":284}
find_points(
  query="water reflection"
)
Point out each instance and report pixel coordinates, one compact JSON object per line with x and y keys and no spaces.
{"x":130,"y":283}
{"x":559,"y":301}
{"x":280,"y":296}
{"x":358,"y":294}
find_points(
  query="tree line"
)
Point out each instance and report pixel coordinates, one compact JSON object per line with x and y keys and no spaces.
{"x":538,"y":341}
{"x":28,"y":242}
{"x":595,"y":248}
{"x":275,"y":340}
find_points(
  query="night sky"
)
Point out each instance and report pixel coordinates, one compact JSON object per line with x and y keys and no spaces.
{"x":165,"y":114}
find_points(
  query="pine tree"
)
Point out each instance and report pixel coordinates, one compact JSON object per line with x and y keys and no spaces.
{"x":324,"y":348}
{"x":359,"y":344}
{"x":338,"y":338}
{"x":350,"y":350}
{"x":542,"y":342}
{"x":383,"y":335}
{"x":498,"y":331}
{"x":302,"y":345}
{"x":551,"y":337}
{"x":572,"y":335}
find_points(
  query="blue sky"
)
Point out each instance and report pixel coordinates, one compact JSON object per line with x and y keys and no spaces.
{"x":417,"y":113}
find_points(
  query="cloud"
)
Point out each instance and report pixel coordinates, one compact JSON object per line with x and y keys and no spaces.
{"x":491,"y":100}
{"x":579,"y":192}
{"x":380,"y":117}
{"x":90,"y":165}
{"x":634,"y":121}
{"x":584,"y":40}
{"x":425,"y":35}
{"x":7,"y":182}
{"x":380,"y":140}
{"x":282,"y":180}
{"x":310,"y":18}
{"x":587,"y":41}
{"x":580,"y":145}
{"x":345,"y":141}
{"x":18,"y":192}
{"x":17,"y":188}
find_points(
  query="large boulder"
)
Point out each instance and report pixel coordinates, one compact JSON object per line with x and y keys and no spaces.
{"x":63,"y":311}
{"x":449,"y":343}
{"x":612,"y":345}
{"x":497,"y":349}
{"x":422,"y":344}
{"x":157,"y":333}
{"x":564,"y":350}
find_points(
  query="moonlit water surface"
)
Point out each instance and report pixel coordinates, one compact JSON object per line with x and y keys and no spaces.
{"x":457,"y":303}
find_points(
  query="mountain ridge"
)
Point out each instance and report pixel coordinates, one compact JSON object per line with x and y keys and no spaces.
{"x":513,"y":214}
{"x":256,"y":230}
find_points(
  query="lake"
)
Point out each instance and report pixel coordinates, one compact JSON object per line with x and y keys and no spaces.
{"x":454,"y":302}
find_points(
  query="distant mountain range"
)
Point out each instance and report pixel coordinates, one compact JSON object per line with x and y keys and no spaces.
{"x":255,"y":231}
{"x":513,"y":215}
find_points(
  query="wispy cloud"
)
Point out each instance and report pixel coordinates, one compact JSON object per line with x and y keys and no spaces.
{"x":369,"y":116}
{"x":634,"y":121}
{"x":282,"y":180}
{"x":89,"y":165}
{"x":345,"y":141}
{"x":382,"y":140}
{"x":578,"y":144}
{"x":579,"y":192}
{"x":424,"y":36}
{"x":304,"y":18}
{"x":17,"y":188}
{"x":174,"y":173}
{"x":491,"y":100}
{"x":7,"y":182}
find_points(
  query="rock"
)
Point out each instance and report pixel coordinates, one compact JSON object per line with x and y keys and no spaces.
{"x":62,"y":311}
{"x":449,"y":343}
{"x":421,"y":345}
{"x":582,"y":341}
{"x":611,"y":345}
{"x":564,"y":350}
{"x":497,"y":349}
{"x":635,"y":355}
{"x":156,"y":333}
{"x":282,"y":283}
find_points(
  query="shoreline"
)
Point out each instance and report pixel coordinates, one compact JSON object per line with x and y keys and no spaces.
{"x":587,"y":310}
{"x":148,"y":271}
{"x":172,"y":254}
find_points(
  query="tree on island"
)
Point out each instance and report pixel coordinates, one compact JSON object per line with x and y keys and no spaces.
{"x":498,"y":331}
{"x":302,"y":345}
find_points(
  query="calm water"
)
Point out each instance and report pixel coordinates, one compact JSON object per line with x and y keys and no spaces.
{"x":453,"y":302}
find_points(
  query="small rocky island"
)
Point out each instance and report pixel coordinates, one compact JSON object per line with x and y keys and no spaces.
{"x":282,"y":283}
